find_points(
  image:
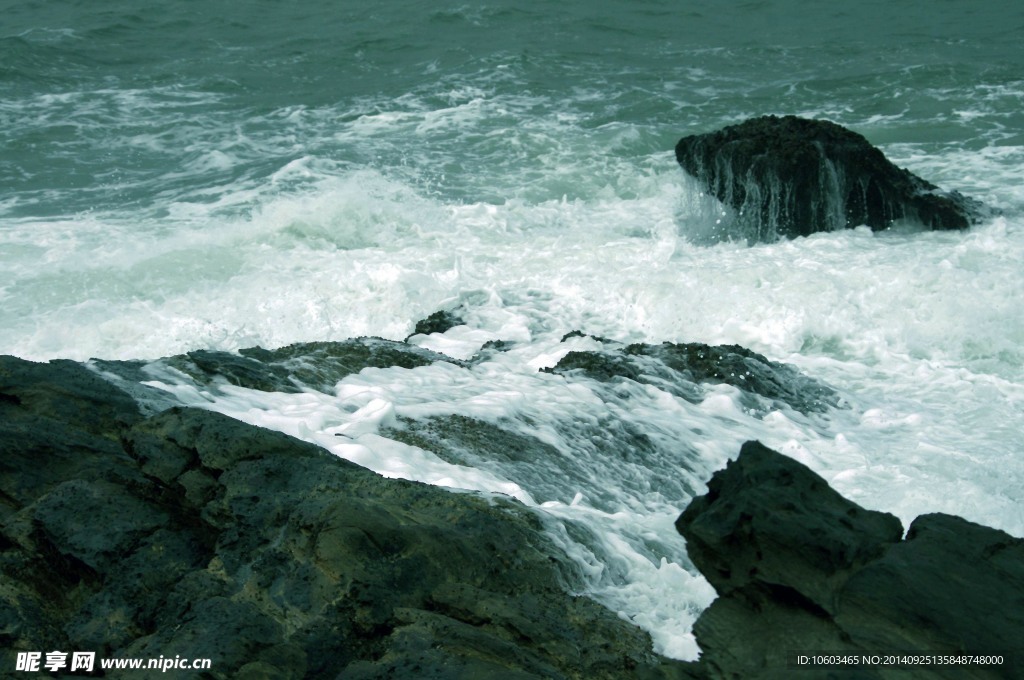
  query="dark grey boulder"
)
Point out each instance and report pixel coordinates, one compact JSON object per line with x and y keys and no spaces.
{"x":951,"y":584}
{"x":798,"y":568}
{"x":788,"y":176}
{"x":784,"y":526}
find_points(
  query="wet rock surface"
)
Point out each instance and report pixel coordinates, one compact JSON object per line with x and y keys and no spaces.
{"x":798,"y":568}
{"x":788,"y":176}
{"x":189,"y":533}
{"x":309,"y":364}
{"x":293,"y":368}
{"x":542,"y":469}
{"x":681,"y":369}
{"x":136,"y":530}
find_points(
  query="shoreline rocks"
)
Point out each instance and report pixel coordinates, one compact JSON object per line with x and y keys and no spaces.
{"x":189,"y":533}
{"x":138,"y":531}
{"x":800,"y":569}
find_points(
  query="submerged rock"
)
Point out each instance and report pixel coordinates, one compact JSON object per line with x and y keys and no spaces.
{"x":317,"y":365}
{"x":798,"y":568}
{"x":681,"y":369}
{"x":789,"y":176}
{"x":189,"y":533}
{"x":614,"y":447}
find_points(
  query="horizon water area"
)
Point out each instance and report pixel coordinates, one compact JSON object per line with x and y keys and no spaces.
{"x":182,"y":176}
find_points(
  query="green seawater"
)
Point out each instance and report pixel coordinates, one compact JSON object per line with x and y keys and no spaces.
{"x":131,"y":107}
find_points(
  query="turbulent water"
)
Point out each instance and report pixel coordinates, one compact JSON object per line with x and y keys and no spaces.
{"x":177,"y":176}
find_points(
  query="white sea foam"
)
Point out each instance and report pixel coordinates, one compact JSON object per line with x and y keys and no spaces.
{"x":922,"y":323}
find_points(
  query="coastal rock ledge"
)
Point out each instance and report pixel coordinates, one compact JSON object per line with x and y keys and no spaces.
{"x":787,"y":176}
{"x":800,"y":569}
{"x":187,"y":533}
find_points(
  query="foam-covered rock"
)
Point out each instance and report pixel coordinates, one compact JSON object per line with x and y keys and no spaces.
{"x":682,"y":368}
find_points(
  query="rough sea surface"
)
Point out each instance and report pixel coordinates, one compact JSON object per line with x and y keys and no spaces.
{"x":185,"y":176}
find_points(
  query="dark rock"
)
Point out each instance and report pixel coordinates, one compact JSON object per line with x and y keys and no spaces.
{"x":789,"y":176}
{"x":189,"y":533}
{"x":318,"y":365}
{"x":438,"y":322}
{"x":492,"y":346}
{"x":598,"y":365}
{"x":290,"y":369}
{"x":581,"y":334}
{"x":681,"y":368}
{"x":950,"y":585}
{"x":79,"y":413}
{"x":768,"y":520}
{"x":799,"y":568}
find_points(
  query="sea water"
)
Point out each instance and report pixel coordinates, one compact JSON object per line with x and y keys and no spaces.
{"x":181,"y":177}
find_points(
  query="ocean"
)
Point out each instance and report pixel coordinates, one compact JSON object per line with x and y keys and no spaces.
{"x":179,"y":176}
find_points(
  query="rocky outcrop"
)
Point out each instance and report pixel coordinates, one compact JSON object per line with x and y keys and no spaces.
{"x":800,"y":569}
{"x":181,"y":532}
{"x":789,"y":176}
{"x":682,"y":368}
{"x":189,"y":533}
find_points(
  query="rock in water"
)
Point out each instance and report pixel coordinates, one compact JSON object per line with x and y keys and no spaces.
{"x":438,"y":322}
{"x":680,"y":368}
{"x":789,"y":176}
{"x":799,"y":568}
